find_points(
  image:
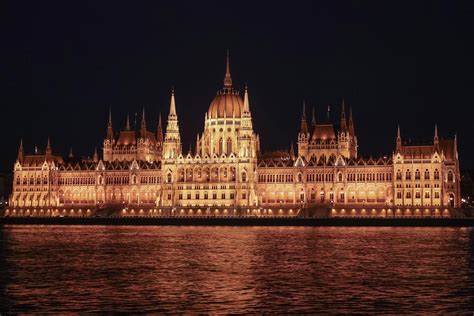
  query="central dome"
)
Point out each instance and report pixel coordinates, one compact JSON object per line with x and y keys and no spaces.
{"x":227,"y":102}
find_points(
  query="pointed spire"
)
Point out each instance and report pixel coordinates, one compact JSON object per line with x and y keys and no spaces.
{"x":190,"y":150}
{"x":246,"y":100}
{"x":227,"y":78}
{"x":159,"y":130}
{"x":399,"y":140}
{"x":20,"y":151}
{"x":48,"y":149}
{"x":343,"y":117}
{"x":71,"y":155}
{"x":143,"y":125}
{"x":172,"y":104}
{"x":110,"y":132}
{"x":435,"y":138}
{"x":351,"y":123}
{"x":313,"y":118}
{"x":96,"y":156}
{"x":127,"y":126}
{"x":198,"y":145}
{"x":304,"y":124}
{"x":292,"y":151}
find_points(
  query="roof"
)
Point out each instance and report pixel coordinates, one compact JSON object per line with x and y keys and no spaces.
{"x":226,"y":104}
{"x":323,"y":132}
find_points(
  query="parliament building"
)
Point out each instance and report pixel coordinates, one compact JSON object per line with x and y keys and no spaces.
{"x":141,"y":172}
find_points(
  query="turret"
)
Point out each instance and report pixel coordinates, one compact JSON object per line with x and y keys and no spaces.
{"x":303,"y":135}
{"x":313,"y":119}
{"x":71,"y":155}
{"x":96,"y":156}
{"x":435,"y":138}
{"x":292,"y":151}
{"x":351,"y":123}
{"x":198,"y":145}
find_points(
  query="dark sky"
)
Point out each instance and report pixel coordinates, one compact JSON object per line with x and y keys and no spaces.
{"x":63,"y":65}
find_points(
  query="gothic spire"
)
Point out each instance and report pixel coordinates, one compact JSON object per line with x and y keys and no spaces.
{"x":48,"y":149}
{"x":143,"y":125}
{"x":198,"y":147}
{"x":127,"y":126}
{"x":313,"y":118}
{"x":292,"y":151}
{"x":71,"y":155}
{"x":304,"y":124}
{"x":172,"y":104}
{"x":399,"y":140}
{"x":435,"y":138}
{"x":20,"y":151}
{"x":96,"y":156}
{"x":110,"y":132}
{"x":351,"y":123}
{"x":343,"y":117}
{"x":246,"y":100}
{"x":227,"y":78}
{"x":159,"y":130}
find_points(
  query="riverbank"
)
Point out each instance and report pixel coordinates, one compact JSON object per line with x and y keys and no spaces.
{"x":240,"y":221}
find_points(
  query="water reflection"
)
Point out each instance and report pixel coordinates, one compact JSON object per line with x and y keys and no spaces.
{"x":236,"y":269}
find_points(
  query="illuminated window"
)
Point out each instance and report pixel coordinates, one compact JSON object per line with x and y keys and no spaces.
{"x":427,"y":174}
{"x":436,"y":174}
{"x":450,"y":176}
{"x":408,"y":175}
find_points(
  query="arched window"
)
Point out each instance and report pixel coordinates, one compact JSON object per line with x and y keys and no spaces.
{"x":221,"y":145}
{"x":427,"y":174}
{"x":450,"y":176}
{"x":168,"y":178}
{"x":229,"y":146}
{"x":244,"y":177}
{"x":436,"y":174}
{"x":340,"y":177}
{"x":300,"y":177}
{"x":417,"y":174}
{"x":408,"y":175}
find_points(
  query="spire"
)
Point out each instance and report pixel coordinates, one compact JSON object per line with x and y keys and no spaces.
{"x":304,"y":124}
{"x":127,"y":126}
{"x":20,"y":151}
{"x":48,"y":149}
{"x":313,"y":118}
{"x":246,"y":100}
{"x":351,"y":123}
{"x":329,"y":110}
{"x":96,"y":156}
{"x":343,"y":117}
{"x":143,"y":125}
{"x":70,"y":153}
{"x":227,"y":78}
{"x":172,"y":104}
{"x":198,"y":147}
{"x":159,"y":130}
{"x":292,"y":151}
{"x":110,"y":132}
{"x":399,"y":140}
{"x":190,"y":150}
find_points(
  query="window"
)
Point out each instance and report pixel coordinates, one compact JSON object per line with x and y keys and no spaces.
{"x":244,"y":177}
{"x":417,"y":195}
{"x":221,"y":144}
{"x":180,"y":196}
{"x":427,"y":174}
{"x":232,"y":196}
{"x":189,"y":196}
{"x":206,"y":196}
{"x":197,"y":196}
{"x":168,"y":178}
{"x":169,"y":196}
{"x":214,"y":196}
{"x":408,"y":175}
{"x":300,"y":177}
{"x":223,"y":196}
{"x":399,"y":195}
{"x":408,"y":195}
{"x":436,"y":195}
{"x":399,"y":175}
{"x":339,"y":177}
{"x":244,"y":196}
{"x":436,"y":174}
{"x":450,"y":176}
{"x":427,"y":195}
{"x":417,"y":174}
{"x":229,"y":146}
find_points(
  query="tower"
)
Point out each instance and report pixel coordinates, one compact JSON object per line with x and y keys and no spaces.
{"x":172,"y":142}
{"x":399,"y":141}
{"x":20,"y":152}
{"x":303,"y":135}
{"x":109,"y":140}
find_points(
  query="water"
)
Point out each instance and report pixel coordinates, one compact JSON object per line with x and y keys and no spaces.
{"x":236,"y":269}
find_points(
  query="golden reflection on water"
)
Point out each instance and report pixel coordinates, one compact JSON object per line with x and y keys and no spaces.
{"x":236,"y":269}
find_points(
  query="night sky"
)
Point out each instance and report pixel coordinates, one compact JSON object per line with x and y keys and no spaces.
{"x":63,"y":65}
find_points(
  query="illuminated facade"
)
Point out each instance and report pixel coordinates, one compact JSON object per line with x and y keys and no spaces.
{"x":146,"y":173}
